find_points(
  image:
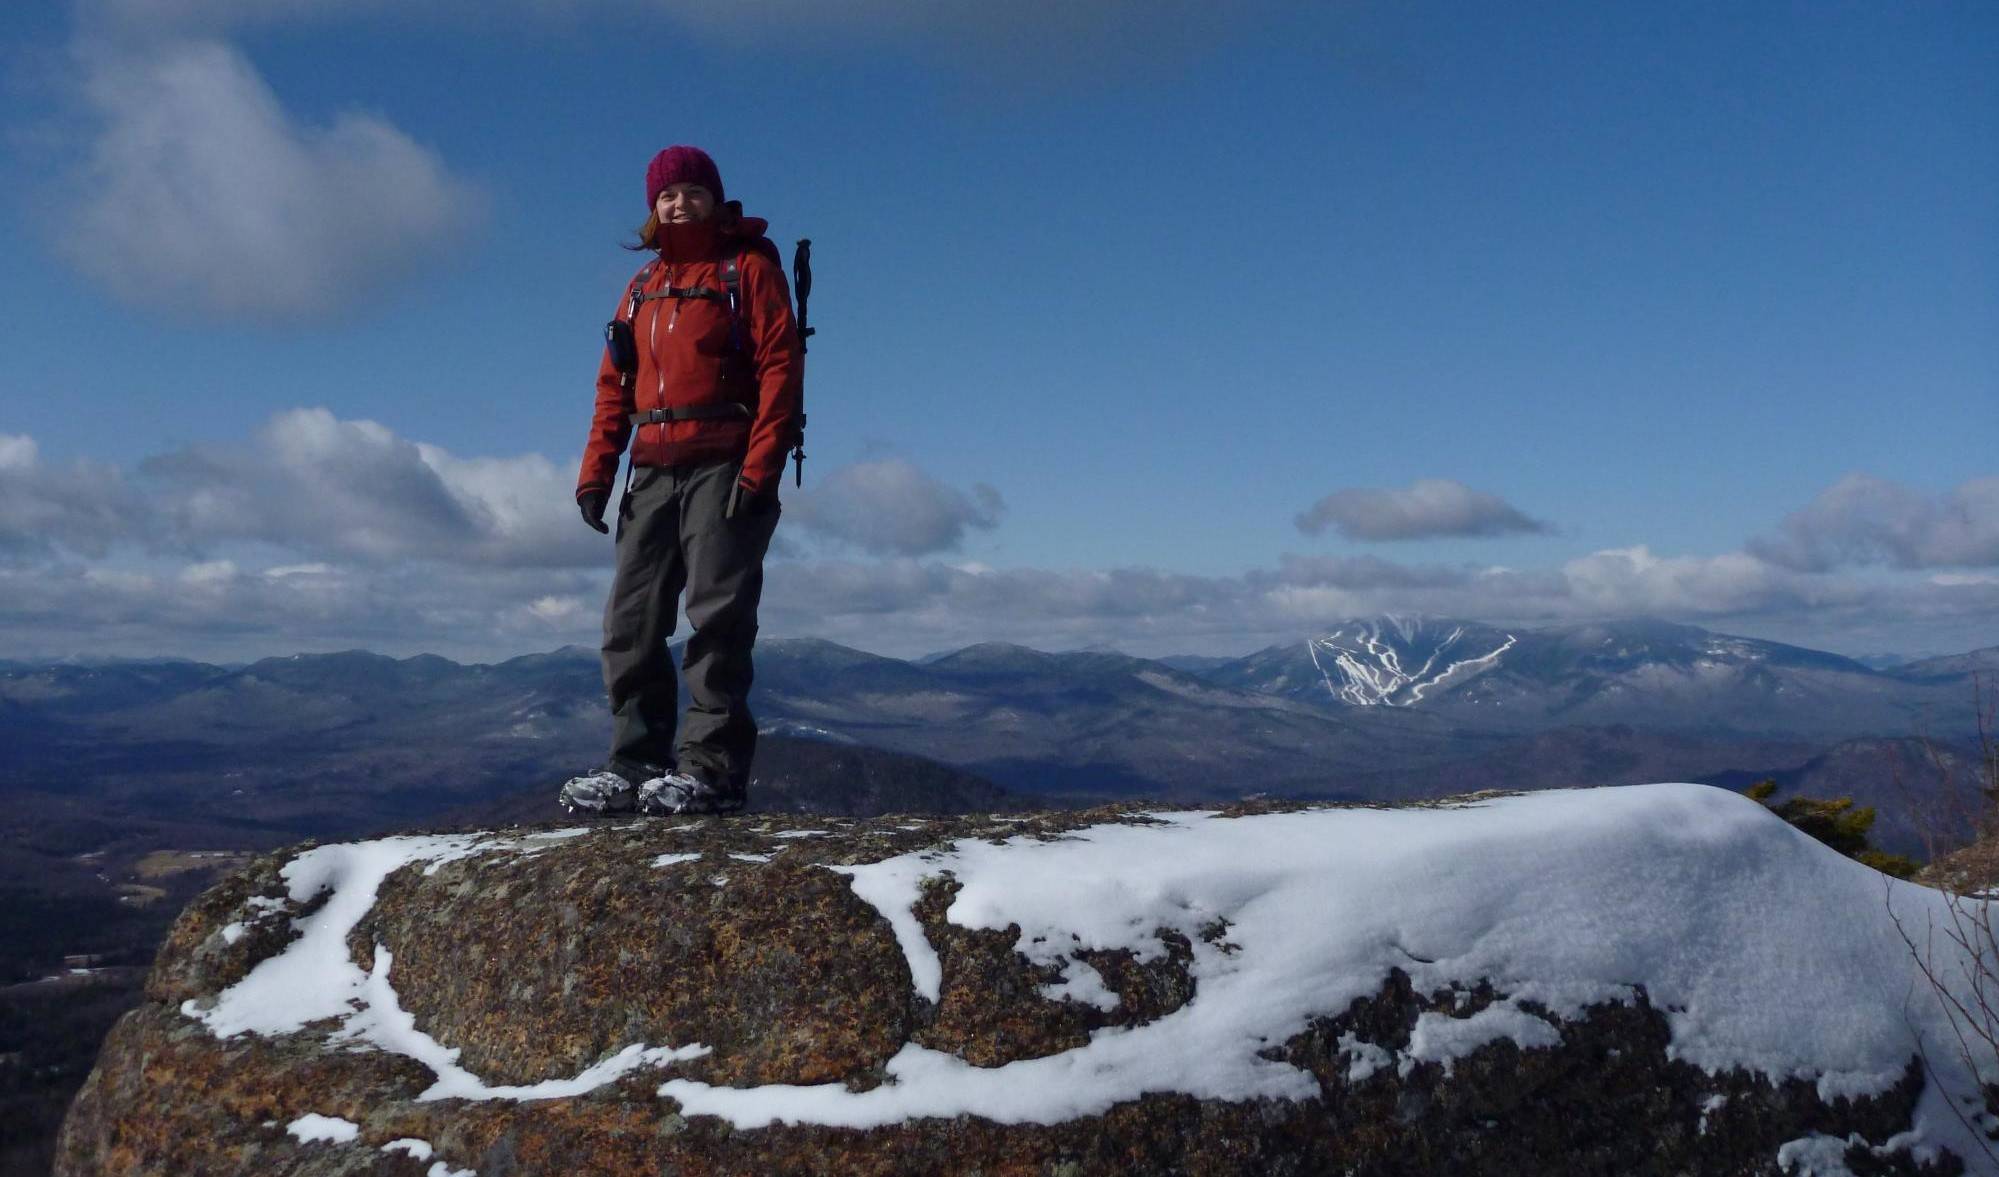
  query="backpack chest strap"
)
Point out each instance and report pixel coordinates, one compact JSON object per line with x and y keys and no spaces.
{"x":710,"y":412}
{"x":705,"y":293}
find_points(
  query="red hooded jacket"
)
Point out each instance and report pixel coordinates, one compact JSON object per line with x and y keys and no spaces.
{"x":691,"y":354}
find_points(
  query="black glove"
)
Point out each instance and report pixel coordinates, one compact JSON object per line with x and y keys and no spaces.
{"x":748,"y":504}
{"x":591,"y":503}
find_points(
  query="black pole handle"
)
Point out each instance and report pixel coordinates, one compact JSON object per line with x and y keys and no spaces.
{"x":801,"y":282}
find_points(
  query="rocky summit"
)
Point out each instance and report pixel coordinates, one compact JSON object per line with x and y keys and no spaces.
{"x":1653,"y":980}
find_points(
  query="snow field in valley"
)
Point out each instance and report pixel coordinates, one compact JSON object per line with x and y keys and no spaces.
{"x":1763,"y":949}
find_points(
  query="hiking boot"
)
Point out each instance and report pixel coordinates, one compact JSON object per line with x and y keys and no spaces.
{"x":613,"y":788}
{"x":682,"y":793}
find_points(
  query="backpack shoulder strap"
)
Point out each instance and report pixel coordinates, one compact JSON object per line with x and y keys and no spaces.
{"x":732,"y":282}
{"x":632,"y":293}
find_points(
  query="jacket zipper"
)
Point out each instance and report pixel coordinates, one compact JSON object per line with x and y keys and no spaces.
{"x":675,"y":316}
{"x":652,"y":345}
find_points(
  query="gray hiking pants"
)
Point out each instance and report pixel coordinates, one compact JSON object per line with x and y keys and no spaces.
{"x":672,"y":535}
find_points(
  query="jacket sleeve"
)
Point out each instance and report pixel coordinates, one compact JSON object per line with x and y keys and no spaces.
{"x":780,"y":367}
{"x":610,"y":426}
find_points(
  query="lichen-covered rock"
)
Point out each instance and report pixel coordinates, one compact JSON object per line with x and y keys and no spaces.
{"x":559,"y":1002}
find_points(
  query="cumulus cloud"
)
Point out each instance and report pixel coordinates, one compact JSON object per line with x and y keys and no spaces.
{"x":1634,"y":580}
{"x":220,"y":609}
{"x":45,"y":507}
{"x":201,"y":195}
{"x":908,"y":606}
{"x":889,"y":507}
{"x":323,"y":533}
{"x":1360,"y":573}
{"x":228,"y":608}
{"x":1428,"y":508}
{"x":1866,"y":520}
{"x":313,"y":484}
{"x":317,"y":487}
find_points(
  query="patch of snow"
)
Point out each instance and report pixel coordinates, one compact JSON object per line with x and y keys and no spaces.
{"x":1440,"y":1038}
{"x":1709,"y":1107}
{"x":1817,"y":1155}
{"x":417,"y":1149}
{"x":799,"y":834}
{"x":1604,"y":890}
{"x":314,"y":978}
{"x":524,"y":846}
{"x":807,"y":730}
{"x":751,"y":857}
{"x":1372,"y":675}
{"x":1083,"y":983}
{"x":674,"y":859}
{"x":719,"y":880}
{"x":232,"y":933}
{"x":890,"y":886}
{"x":1363,"y":1058}
{"x":331,"y":1129}
{"x":385,"y":1024}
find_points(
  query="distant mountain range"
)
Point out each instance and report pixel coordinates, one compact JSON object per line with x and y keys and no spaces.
{"x":341,"y":744}
{"x":1649,"y":673}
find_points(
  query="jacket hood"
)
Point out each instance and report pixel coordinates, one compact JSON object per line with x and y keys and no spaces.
{"x":726,"y":233}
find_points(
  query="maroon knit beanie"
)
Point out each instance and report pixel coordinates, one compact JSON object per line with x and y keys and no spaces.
{"x":678,"y":165}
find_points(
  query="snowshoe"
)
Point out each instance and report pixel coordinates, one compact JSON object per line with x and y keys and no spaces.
{"x":613,"y":788}
{"x":683,"y":793}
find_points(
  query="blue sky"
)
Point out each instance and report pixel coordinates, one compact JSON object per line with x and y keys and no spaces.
{"x":1542,"y":316}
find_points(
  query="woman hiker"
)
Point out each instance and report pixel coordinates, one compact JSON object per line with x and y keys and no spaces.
{"x":703,"y":376}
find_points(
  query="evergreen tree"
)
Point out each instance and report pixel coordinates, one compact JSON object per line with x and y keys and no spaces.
{"x":1838,"y":824}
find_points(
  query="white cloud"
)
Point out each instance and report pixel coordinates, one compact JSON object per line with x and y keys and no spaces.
{"x":1430,"y":507}
{"x":78,"y":507}
{"x":210,"y":572}
{"x":1866,"y":520}
{"x":889,"y":507}
{"x":1633,"y":580}
{"x":560,"y":613}
{"x":912,"y":606}
{"x":907,"y":606}
{"x":212,"y":610}
{"x":323,"y":533}
{"x":316,"y":485}
{"x":201,"y":195}
{"x":17,"y":453}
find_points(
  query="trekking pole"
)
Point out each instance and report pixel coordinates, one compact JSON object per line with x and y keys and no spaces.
{"x":801,"y":281}
{"x":624,"y":350}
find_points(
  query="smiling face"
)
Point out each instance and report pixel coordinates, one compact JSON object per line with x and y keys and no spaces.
{"x":683,"y":203}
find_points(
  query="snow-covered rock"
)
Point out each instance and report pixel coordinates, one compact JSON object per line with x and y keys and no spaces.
{"x":1657,"y":979}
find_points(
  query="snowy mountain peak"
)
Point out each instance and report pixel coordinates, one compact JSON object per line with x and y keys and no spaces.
{"x":1393,"y":661}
